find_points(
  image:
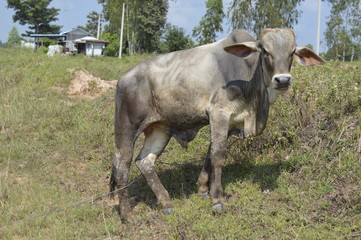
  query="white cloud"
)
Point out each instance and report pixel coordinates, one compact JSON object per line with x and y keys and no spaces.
{"x":185,"y":14}
{"x":64,"y":5}
{"x":188,"y":13}
{"x":310,"y":5}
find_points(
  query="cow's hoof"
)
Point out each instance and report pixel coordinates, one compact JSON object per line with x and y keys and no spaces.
{"x":218,"y":207}
{"x":168,"y":211}
{"x":204,"y":195}
{"x":128,"y":219}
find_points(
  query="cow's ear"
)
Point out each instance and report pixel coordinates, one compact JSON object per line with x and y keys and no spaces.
{"x":243,"y":50}
{"x":306,"y":57}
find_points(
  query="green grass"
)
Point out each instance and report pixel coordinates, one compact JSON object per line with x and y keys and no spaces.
{"x":299,"y":180}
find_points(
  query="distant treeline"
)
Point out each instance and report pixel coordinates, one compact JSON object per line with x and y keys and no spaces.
{"x":146,"y":29}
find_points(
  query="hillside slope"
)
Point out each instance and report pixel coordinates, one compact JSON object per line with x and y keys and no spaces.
{"x":299,"y":179}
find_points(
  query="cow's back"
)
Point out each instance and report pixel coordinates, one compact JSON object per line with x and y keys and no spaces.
{"x":176,"y":87}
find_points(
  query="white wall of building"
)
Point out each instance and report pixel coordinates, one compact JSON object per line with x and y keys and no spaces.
{"x":28,"y":44}
{"x":94,"y":49}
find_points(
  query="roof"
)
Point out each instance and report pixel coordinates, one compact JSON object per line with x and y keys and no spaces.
{"x":77,"y":29}
{"x":89,"y":39}
{"x":63,"y":34}
{"x":47,"y":35}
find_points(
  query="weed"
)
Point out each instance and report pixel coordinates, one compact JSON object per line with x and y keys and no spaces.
{"x":299,"y":179}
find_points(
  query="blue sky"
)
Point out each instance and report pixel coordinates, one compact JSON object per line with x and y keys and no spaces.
{"x":183,"y":13}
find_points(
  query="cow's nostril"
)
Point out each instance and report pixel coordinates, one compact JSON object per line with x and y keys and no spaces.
{"x":283,"y":80}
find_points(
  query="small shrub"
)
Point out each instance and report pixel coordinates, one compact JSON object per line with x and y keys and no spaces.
{"x":43,"y":49}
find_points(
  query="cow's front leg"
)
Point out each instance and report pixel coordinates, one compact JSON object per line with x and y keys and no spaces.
{"x":218,"y":155}
{"x":203,"y":179}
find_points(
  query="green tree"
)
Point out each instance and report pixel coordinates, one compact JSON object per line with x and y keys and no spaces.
{"x":14,"y":38}
{"x":92,"y":23}
{"x":144,"y":21}
{"x":151,"y":19}
{"x":257,"y":15}
{"x":35,"y":13}
{"x":113,"y":47}
{"x":343,"y":34}
{"x":309,"y":46}
{"x":175,"y":39}
{"x":211,"y":23}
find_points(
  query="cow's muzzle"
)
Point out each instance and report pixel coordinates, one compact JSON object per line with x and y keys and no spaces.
{"x":282,"y":81}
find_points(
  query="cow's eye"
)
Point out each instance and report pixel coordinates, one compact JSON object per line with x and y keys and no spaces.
{"x":265,"y":53}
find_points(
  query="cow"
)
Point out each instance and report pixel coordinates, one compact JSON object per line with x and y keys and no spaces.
{"x":228,"y":84}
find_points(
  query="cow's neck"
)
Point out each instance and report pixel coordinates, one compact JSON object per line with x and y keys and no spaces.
{"x":263,"y":93}
{"x":267,"y":77}
{"x":259,"y":102}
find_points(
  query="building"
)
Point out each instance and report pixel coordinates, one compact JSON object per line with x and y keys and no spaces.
{"x":91,"y":46}
{"x":76,"y":40}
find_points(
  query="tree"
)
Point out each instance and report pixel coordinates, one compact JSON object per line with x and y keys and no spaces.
{"x":113,"y":47}
{"x":151,"y":18}
{"x":175,"y":39}
{"x":309,"y":46}
{"x":92,"y":23}
{"x":257,"y":15}
{"x":343,"y":34}
{"x":211,"y":23}
{"x":355,"y":30}
{"x":36,"y":14}
{"x":144,"y":21}
{"x":14,"y":38}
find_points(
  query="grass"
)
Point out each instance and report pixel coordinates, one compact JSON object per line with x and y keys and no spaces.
{"x":299,"y":180}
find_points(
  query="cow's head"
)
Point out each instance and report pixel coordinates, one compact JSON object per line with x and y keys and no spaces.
{"x":277,"y":48}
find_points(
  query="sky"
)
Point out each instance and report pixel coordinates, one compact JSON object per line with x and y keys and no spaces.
{"x":182,"y":13}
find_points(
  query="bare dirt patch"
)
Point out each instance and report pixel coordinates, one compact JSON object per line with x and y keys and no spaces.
{"x":3,"y":129}
{"x":346,"y":195}
{"x":86,"y":85}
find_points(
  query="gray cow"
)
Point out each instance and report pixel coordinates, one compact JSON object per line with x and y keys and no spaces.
{"x":228,"y":84}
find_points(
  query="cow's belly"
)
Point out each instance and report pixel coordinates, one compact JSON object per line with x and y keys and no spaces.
{"x":183,"y":109}
{"x":183,"y":116}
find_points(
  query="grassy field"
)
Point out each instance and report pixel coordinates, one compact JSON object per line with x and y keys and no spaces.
{"x":299,"y":180}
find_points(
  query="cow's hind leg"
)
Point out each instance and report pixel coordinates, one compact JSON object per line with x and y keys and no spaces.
{"x":119,"y":180}
{"x":124,"y":140}
{"x":155,"y":142}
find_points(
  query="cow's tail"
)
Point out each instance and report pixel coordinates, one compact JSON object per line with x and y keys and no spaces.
{"x":112,"y":180}
{"x":112,"y":183}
